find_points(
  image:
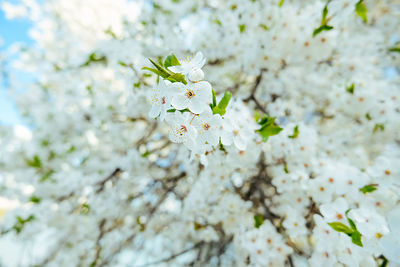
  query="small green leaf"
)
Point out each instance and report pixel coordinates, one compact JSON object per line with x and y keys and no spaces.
{"x":385,"y":262}
{"x":340,"y":227}
{"x":223,"y":103}
{"x":285,"y":168}
{"x":368,"y":188}
{"x":321,"y":29}
{"x":146,"y":154}
{"x":71,"y":149}
{"x":19,"y":225}
{"x":94,"y":58}
{"x":171,"y":60}
{"x":34,"y":199}
{"x":378,"y":126}
{"x":324,"y":14}
{"x":295,"y":132}
{"x":221,"y":146}
{"x":351,"y":222}
{"x":177,"y":77}
{"x":361,"y":10}
{"x":242,"y":28}
{"x":156,"y":71}
{"x":214,"y":99}
{"x":395,"y":49}
{"x":356,"y":238}
{"x":258,"y":220}
{"x":368,"y":117}
{"x":350,"y":89}
{"x":281,"y":3}
{"x":35,"y":162}
{"x":85,"y":208}
{"x":46,"y":176}
{"x":265,"y":27}
{"x":218,"y":22}
{"x":160,"y":68}
{"x":268,"y":127}
{"x":182,"y":110}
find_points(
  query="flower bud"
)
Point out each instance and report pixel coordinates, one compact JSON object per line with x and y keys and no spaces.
{"x":196,"y":75}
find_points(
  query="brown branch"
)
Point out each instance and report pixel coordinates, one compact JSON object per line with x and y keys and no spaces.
{"x":252,"y":95}
{"x":174,"y":255}
{"x":98,"y":247}
{"x":102,"y":183}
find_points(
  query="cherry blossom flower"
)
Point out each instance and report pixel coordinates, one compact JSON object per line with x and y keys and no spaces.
{"x":181,"y":129}
{"x":190,"y":64}
{"x":195,"y":96}
{"x":160,"y":100}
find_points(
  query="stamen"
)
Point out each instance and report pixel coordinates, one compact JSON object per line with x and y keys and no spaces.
{"x":206,"y":126}
{"x":190,"y":94}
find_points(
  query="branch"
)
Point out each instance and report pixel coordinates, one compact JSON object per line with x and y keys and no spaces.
{"x":102,"y":183}
{"x":173,"y":256}
{"x":254,"y":90}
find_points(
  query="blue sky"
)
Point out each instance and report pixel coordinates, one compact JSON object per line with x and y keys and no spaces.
{"x":11,"y":31}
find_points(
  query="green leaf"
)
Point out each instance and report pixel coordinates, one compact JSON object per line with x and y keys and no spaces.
{"x":285,"y":168}
{"x":384,"y":262}
{"x":177,"y":77}
{"x":85,"y":208}
{"x":395,"y":49}
{"x":350,"y":89}
{"x":242,"y":28}
{"x":361,"y":10}
{"x":265,"y":27}
{"x":378,"y":126}
{"x":218,"y":22}
{"x":268,"y":128}
{"x":368,"y":117}
{"x":321,"y":29}
{"x":340,"y":227}
{"x":324,"y":14}
{"x":351,"y":222}
{"x":182,"y":110}
{"x":94,"y":58}
{"x":214,"y":99}
{"x":34,"y":199}
{"x":156,"y":71}
{"x":281,"y":3}
{"x":171,"y":60}
{"x":160,"y":68}
{"x":368,"y":188}
{"x":295,"y":132}
{"x":46,"y":176}
{"x":356,"y":238}
{"x":35,"y":162}
{"x":223,"y":103}
{"x":258,"y":220}
{"x":146,"y":154}
{"x":19,"y":225}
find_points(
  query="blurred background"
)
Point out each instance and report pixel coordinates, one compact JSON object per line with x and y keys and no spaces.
{"x":11,"y":32}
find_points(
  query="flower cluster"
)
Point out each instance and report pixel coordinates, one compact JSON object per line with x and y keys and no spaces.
{"x":189,"y":105}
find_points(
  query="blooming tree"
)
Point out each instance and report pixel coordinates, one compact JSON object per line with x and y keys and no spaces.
{"x":205,"y":133}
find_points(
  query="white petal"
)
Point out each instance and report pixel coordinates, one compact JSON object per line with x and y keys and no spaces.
{"x":226,"y":138}
{"x":196,"y":75}
{"x":240,"y":143}
{"x":180,"y":102}
{"x":197,"y":106}
{"x":177,"y":69}
{"x":213,"y":139}
{"x":154,"y":111}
